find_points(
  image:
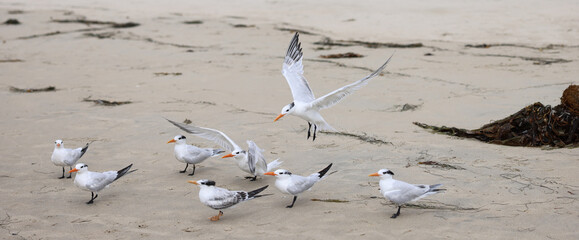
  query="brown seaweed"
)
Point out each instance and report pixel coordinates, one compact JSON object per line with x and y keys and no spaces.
{"x":533,"y":126}
{"x":441,"y":165}
{"x":106,"y":102}
{"x":12,"y":21}
{"x":95,"y":22}
{"x":329,"y":200}
{"x":343,"y":43}
{"x":31,"y":90}
{"x":343,"y":55}
{"x":168,"y":73}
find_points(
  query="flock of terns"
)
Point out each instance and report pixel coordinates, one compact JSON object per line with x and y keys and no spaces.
{"x":252,"y":161}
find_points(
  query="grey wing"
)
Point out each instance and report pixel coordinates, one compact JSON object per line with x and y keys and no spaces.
{"x":255,"y":157}
{"x":300,"y":184}
{"x":196,"y":152}
{"x":210,"y":134}
{"x":408,"y":192}
{"x":336,"y":96}
{"x":227,"y":199}
{"x":293,"y":71}
{"x":99,"y":180}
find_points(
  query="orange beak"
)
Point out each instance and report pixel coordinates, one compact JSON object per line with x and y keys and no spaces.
{"x":278,"y":117}
{"x":228,"y":155}
{"x":73,"y":170}
{"x":172,"y":140}
{"x":194,"y":182}
{"x":374,"y":175}
{"x":58,"y":144}
{"x":269,"y":173}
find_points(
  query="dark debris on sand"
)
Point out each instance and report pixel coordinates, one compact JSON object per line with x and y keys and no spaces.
{"x":95,"y":22}
{"x":106,"y":102}
{"x":343,"y":55}
{"x":533,"y":126}
{"x":32,"y":90}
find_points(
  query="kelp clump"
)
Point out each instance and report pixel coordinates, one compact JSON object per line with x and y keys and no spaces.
{"x":533,"y":126}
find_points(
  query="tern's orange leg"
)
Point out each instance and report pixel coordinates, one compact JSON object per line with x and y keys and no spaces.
{"x":216,"y":217}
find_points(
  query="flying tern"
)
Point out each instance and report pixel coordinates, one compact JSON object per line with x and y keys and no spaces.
{"x":66,"y":156}
{"x":400,"y":192}
{"x":190,"y":154}
{"x":96,"y":181}
{"x":221,"y":198}
{"x":250,"y":161}
{"x":305,"y":105}
{"x":292,"y":184}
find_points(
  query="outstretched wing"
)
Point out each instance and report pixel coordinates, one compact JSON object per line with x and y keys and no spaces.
{"x":210,"y":134}
{"x":336,"y":96}
{"x":293,"y":71}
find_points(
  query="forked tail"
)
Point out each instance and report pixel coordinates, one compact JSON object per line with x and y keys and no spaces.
{"x":253,"y":194}
{"x":124,"y":171}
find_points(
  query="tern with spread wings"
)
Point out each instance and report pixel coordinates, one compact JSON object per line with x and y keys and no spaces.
{"x":305,"y":105}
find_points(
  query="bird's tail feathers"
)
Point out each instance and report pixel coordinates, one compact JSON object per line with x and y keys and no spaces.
{"x":435,"y":188}
{"x":253,"y":194}
{"x":124,"y":171}
{"x":83,"y":150}
{"x":262,"y":195}
{"x":324,"y":171}
{"x":273,"y":165}
{"x":217,"y":152}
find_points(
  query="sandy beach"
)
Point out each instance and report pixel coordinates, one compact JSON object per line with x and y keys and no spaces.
{"x":218,"y":64}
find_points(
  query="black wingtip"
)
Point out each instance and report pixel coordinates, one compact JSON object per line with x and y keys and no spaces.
{"x":325,"y":170}
{"x":256,"y":191}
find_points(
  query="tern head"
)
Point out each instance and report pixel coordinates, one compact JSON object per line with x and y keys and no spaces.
{"x":382,"y":173}
{"x":80,"y":168}
{"x":203,"y":182}
{"x":58,"y":143}
{"x":236,"y":154}
{"x":179,"y":139}
{"x":279,"y":173}
{"x":288,"y":109}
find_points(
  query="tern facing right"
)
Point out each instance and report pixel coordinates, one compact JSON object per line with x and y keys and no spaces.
{"x":221,"y":198}
{"x":96,"y":181}
{"x":292,"y":184}
{"x":305,"y":105}
{"x":400,"y":192}
{"x":66,"y":156}
{"x":190,"y":154}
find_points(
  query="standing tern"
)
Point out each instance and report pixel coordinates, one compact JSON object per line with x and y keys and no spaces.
{"x":250,"y":161}
{"x":305,"y":105}
{"x":96,"y":181}
{"x":221,"y":198}
{"x":190,"y":154}
{"x":401,"y":192}
{"x":292,"y":184}
{"x":66,"y":156}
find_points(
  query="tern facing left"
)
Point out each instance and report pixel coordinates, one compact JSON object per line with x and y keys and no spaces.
{"x":250,"y":161}
{"x":305,"y":105}
{"x":190,"y":154}
{"x":96,"y":181}
{"x":66,"y":156}
{"x":292,"y":184}
{"x":221,"y":198}
{"x":400,"y":192}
